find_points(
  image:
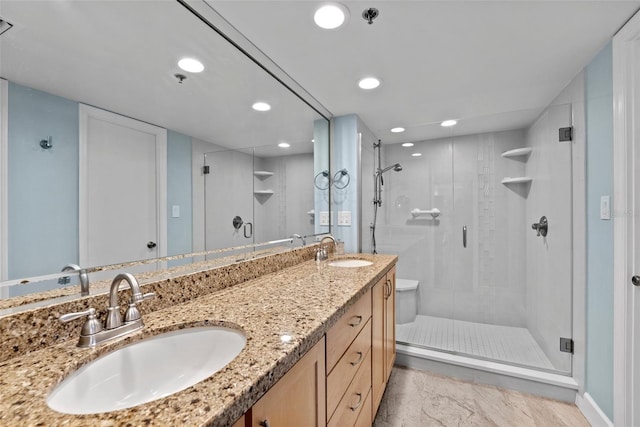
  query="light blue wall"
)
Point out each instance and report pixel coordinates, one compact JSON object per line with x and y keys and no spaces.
{"x":320,"y":164}
{"x":346,"y":150}
{"x":599,"y":357}
{"x":43,"y":184}
{"x":179,"y":230}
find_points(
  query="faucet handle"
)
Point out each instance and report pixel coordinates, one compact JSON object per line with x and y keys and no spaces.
{"x":132,"y":313}
{"x":90,"y":327}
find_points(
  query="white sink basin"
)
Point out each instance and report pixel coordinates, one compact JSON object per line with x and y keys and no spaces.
{"x":147,"y":370}
{"x":350,"y":263}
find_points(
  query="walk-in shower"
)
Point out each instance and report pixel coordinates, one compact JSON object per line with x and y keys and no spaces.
{"x":378,"y":182}
{"x":460,"y":219}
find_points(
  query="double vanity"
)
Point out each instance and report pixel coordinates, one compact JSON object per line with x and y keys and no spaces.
{"x":279,"y":340}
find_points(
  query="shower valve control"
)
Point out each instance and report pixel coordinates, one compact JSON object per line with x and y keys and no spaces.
{"x":541,"y":227}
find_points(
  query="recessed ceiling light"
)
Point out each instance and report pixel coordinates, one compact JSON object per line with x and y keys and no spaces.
{"x":284,"y":145}
{"x":368,"y":83}
{"x":448,"y":123}
{"x":261,"y":106}
{"x":416,"y":154}
{"x":330,"y":16}
{"x":191,"y":65}
{"x":407,"y":144}
{"x":397,"y":130}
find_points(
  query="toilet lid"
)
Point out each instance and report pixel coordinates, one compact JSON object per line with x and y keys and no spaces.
{"x":406,"y":285}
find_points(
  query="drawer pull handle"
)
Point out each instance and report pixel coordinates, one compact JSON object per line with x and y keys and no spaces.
{"x":353,"y":408}
{"x":359,"y":320}
{"x":360,"y":356}
{"x":264,"y":423}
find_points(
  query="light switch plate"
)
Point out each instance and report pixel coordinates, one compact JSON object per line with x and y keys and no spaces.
{"x":344,"y":218}
{"x":175,"y":211}
{"x":605,"y":207}
{"x":324,"y":218}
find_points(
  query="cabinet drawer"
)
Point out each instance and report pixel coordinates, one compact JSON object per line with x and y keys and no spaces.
{"x":341,"y":335}
{"x":364,"y":419}
{"x":354,"y":400}
{"x":346,"y":368}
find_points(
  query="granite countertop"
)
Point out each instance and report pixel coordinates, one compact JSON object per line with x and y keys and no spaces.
{"x":300,"y":301}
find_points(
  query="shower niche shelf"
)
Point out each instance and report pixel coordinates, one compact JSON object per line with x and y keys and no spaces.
{"x":518,"y":152}
{"x":262,"y":174}
{"x":517,"y":180}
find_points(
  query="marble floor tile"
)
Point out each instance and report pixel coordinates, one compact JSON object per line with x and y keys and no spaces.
{"x":420,"y":399}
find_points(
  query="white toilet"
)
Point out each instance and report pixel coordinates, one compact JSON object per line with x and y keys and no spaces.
{"x":406,"y":302}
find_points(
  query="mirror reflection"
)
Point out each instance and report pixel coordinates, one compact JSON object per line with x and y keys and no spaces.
{"x":115,"y":153}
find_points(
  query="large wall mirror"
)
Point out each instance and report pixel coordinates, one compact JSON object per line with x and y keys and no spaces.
{"x":112,"y":153}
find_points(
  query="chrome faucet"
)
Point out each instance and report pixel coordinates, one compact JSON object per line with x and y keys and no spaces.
{"x":114,"y":317}
{"x":297,"y":236}
{"x":93,"y":333}
{"x":84,"y":277}
{"x":330,"y":237}
{"x":321,"y":253}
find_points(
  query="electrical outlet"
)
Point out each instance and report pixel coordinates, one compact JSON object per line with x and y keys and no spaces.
{"x":605,"y":207}
{"x":344,"y":218}
{"x":324,"y":218}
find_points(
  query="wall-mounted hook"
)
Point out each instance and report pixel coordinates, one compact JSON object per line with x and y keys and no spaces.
{"x":46,"y":143}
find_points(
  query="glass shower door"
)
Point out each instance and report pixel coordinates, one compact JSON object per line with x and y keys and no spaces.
{"x":229,"y":209}
{"x":512,"y":286}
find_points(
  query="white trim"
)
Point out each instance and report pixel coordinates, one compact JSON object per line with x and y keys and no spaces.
{"x":4,"y":183}
{"x":625,"y":68}
{"x":489,"y":366}
{"x":592,"y":411}
{"x":86,"y":111}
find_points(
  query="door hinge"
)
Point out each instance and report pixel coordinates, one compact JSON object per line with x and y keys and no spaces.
{"x":205,"y":170}
{"x":565,"y":134}
{"x":566,"y":345}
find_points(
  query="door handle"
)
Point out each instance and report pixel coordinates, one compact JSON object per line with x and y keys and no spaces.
{"x":464,"y":236}
{"x":635,"y":280}
{"x":250,"y":234}
{"x":151,"y":245}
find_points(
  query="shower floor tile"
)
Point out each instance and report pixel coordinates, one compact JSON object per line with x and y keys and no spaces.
{"x":492,"y":342}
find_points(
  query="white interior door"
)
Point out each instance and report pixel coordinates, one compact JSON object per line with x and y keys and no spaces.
{"x":122,"y":188}
{"x":626,"y":215}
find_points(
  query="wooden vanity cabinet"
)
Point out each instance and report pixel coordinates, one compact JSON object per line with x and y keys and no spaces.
{"x":240,"y":422}
{"x":298,"y":398}
{"x":383,"y":335}
{"x":349,"y":365}
{"x":341,"y":380}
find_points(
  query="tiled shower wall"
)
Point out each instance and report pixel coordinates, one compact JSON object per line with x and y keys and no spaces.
{"x":484,"y":281}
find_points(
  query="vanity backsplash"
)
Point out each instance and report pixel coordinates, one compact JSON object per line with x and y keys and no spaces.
{"x":39,"y":328}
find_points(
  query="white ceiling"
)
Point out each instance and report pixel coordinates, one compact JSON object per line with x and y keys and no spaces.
{"x":122,"y":56}
{"x":471,"y":60}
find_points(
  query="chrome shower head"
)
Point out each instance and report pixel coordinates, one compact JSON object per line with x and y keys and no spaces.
{"x":397,"y":167}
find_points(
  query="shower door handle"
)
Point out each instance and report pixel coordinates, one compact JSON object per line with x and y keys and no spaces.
{"x":464,"y":236}
{"x":250,"y":234}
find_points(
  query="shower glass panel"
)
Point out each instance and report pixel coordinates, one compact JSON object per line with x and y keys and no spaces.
{"x":229,"y":186}
{"x":259,"y":195}
{"x":489,"y":286}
